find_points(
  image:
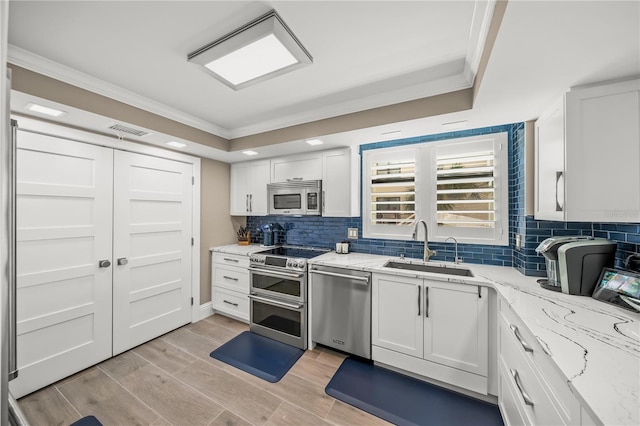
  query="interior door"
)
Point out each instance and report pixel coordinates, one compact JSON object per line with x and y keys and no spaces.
{"x":151,"y":248}
{"x":64,"y":223}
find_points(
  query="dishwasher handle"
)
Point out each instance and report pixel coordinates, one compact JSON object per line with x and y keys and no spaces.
{"x":363,"y":280}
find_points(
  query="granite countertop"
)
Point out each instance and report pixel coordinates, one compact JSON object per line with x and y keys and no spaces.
{"x":595,"y":346}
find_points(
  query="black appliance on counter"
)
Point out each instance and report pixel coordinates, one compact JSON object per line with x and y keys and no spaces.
{"x":278,"y":293}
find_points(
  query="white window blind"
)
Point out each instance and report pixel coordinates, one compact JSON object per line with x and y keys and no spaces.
{"x":393,"y":192}
{"x":465,"y":190}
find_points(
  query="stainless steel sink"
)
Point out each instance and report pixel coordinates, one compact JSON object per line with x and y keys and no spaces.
{"x":434,"y":269}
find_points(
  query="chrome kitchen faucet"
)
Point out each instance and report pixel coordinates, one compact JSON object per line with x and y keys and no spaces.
{"x":427,"y":252}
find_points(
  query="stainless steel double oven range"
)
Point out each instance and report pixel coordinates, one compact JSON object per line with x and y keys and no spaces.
{"x":278,"y":298}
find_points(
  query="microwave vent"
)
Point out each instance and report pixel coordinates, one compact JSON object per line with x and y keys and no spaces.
{"x":129,"y":130}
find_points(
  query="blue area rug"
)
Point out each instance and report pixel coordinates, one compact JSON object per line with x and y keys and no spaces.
{"x":87,"y":421}
{"x":404,"y":400}
{"x":263,"y":357}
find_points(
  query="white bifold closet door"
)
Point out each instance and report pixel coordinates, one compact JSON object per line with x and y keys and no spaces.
{"x":64,"y":229}
{"x":152,"y":248}
{"x":103,"y":254}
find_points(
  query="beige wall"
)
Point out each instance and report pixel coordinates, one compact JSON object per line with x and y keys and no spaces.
{"x":217,"y":227}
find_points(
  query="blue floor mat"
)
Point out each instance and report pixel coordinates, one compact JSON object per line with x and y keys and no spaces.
{"x":263,"y":357}
{"x":404,"y":400}
{"x":87,"y":421}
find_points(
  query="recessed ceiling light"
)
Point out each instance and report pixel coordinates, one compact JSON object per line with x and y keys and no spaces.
{"x":249,"y":153}
{"x":176,"y":144}
{"x":45,"y":110}
{"x":455,"y":125}
{"x":314,"y":142}
{"x":262,"y":49}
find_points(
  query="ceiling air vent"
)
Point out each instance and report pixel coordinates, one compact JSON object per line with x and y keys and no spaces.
{"x":129,"y":130}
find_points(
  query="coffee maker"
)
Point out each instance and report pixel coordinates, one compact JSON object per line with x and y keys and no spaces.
{"x":574,"y":263}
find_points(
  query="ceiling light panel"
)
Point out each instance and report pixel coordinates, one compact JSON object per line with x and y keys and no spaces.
{"x":45,"y":110}
{"x":176,"y":144}
{"x":257,"y":51}
{"x":249,"y":153}
{"x":314,"y":142}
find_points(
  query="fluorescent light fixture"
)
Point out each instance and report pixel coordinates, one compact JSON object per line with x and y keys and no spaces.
{"x":262,"y":49}
{"x":455,"y":125}
{"x":176,"y":144}
{"x":45,"y":110}
{"x":314,"y":142}
{"x":249,"y":153}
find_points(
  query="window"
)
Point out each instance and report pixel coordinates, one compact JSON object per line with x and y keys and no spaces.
{"x":390,"y":201}
{"x":459,"y":186}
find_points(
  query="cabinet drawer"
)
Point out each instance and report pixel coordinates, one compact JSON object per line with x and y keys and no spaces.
{"x":555,"y":384}
{"x":510,"y":405}
{"x":231,"y":302}
{"x":518,"y":374}
{"x":231,"y":278}
{"x":231,"y":259}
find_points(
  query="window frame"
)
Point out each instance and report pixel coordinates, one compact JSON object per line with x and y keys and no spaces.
{"x":426,"y":190}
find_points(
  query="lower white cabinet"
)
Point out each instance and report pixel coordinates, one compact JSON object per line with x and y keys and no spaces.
{"x":530,"y":391}
{"x":230,"y":285}
{"x":434,"y":328}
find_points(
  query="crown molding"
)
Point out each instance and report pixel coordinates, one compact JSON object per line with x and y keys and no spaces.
{"x":41,"y":65}
{"x":480,"y":24}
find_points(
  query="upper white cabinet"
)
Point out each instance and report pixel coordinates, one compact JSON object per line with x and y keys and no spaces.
{"x":297,"y":167}
{"x":341,"y":183}
{"x":339,"y":170}
{"x":587,"y":155}
{"x":249,"y":188}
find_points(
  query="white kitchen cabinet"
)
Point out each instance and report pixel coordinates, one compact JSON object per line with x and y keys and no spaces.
{"x":587,"y":170}
{"x":530,"y":389}
{"x":341,"y":183}
{"x":436,"y":329}
{"x":230,"y":285}
{"x":297,"y":167}
{"x":249,"y":188}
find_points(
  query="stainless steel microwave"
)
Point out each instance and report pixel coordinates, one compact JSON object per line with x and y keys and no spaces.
{"x":295,"y":197}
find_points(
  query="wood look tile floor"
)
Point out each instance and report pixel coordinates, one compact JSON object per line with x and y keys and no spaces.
{"x":172,"y":380}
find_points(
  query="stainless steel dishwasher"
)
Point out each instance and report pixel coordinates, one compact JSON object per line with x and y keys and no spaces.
{"x":341,"y":309}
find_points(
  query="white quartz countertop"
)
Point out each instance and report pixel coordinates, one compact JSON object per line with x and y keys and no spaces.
{"x":238,"y":249}
{"x":595,"y":346}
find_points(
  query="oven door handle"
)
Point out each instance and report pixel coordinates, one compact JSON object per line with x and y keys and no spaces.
{"x":275,"y":273}
{"x":275,"y":302}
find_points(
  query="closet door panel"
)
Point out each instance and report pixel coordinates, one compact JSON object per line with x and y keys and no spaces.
{"x":152,"y":248}
{"x":64,"y":229}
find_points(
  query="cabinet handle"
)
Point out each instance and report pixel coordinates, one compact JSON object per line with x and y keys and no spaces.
{"x":524,"y":344}
{"x":250,"y":202}
{"x":230,"y":303}
{"x":296,"y":178}
{"x":323,"y":202}
{"x":526,"y":398}
{"x":419,"y":300}
{"x":229,"y":278}
{"x":246,"y":203}
{"x":104,"y":263}
{"x":226,"y":259}
{"x":559,"y":181}
{"x":122,"y":261}
{"x":426,"y":302}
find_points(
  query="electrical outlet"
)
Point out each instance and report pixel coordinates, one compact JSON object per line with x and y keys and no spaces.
{"x":518,"y":242}
{"x":352,"y":233}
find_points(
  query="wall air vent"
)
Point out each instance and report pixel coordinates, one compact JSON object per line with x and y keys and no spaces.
{"x":129,"y":130}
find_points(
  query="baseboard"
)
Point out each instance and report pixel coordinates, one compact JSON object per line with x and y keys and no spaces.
{"x":206,"y":310}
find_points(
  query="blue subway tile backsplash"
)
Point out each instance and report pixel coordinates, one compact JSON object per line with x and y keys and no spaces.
{"x":325,"y":232}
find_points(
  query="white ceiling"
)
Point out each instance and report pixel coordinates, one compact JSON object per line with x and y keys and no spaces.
{"x":366,"y":54}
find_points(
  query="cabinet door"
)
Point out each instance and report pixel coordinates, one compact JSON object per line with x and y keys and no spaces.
{"x":456,"y":327}
{"x":340,"y":184}
{"x":396,"y":314}
{"x":240,"y":178}
{"x":297,"y":167}
{"x":603,"y":153}
{"x":549,"y":164}
{"x":259,"y":177}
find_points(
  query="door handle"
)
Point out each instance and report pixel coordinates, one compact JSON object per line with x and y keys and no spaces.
{"x":419,"y":300}
{"x":122,"y":261}
{"x":104,"y":263}
{"x":426,"y":302}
